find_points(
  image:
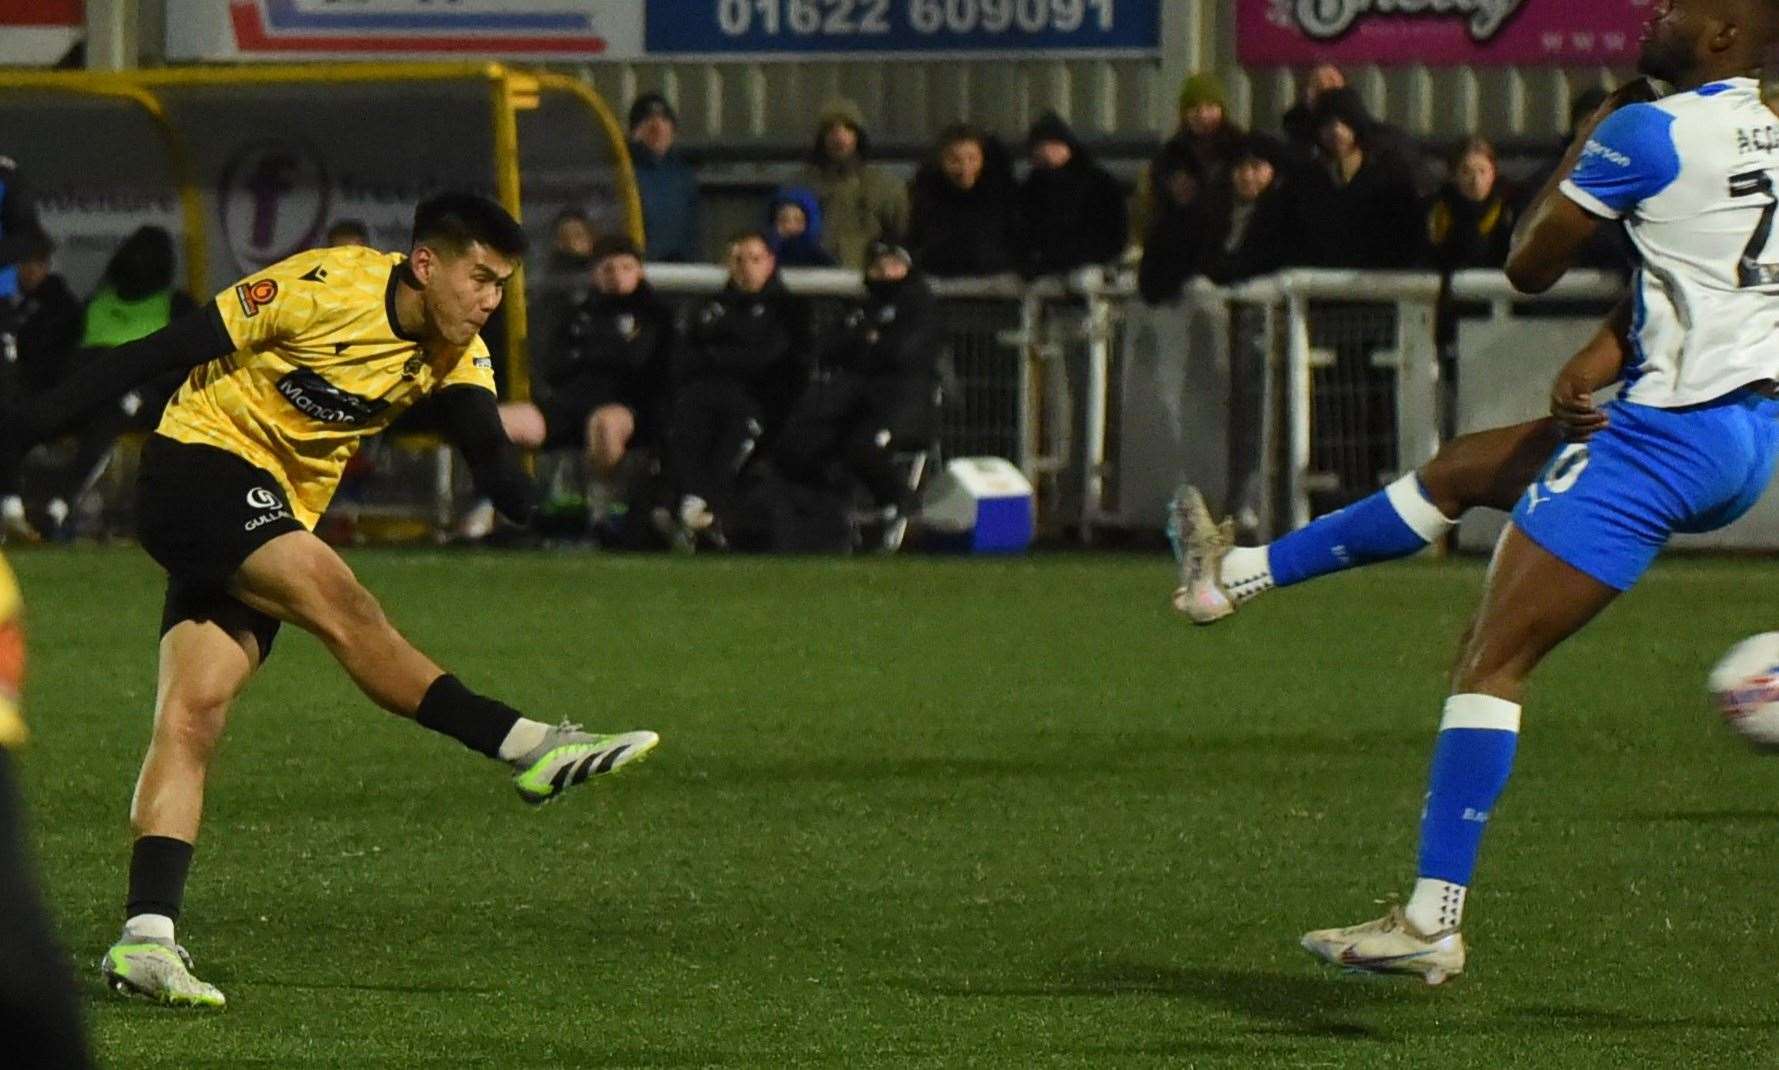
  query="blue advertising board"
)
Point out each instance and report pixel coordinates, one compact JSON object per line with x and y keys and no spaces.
{"x":795,"y":29}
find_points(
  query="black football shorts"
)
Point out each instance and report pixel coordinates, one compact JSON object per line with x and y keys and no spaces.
{"x":200,"y":512}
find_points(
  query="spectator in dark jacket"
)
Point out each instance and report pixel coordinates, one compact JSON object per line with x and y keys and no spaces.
{"x":44,"y":318}
{"x":1229,"y":232}
{"x":876,"y":396}
{"x":1071,"y":210}
{"x":605,"y":385}
{"x":744,"y":365}
{"x":1251,"y":221}
{"x":794,"y":228}
{"x":562,"y":281}
{"x":1181,"y":227}
{"x":1470,"y":220}
{"x":962,"y":218}
{"x":1206,"y":142}
{"x":137,"y":296}
{"x":666,"y":180}
{"x":18,"y":224}
{"x":1356,"y":206}
{"x":1299,"y":122}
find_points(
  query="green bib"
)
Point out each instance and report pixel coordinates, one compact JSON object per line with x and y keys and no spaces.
{"x":111,"y":321}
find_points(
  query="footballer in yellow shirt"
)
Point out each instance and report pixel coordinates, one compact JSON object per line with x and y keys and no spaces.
{"x":320,"y":362}
{"x":289,"y":369}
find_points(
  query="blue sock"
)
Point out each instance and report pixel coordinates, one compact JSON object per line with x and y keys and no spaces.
{"x":1471,"y":763}
{"x":1395,"y":522}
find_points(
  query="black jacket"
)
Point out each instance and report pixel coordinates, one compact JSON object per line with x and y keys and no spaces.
{"x":1464,"y":234}
{"x":18,"y":214}
{"x":47,"y":323}
{"x":614,"y":348}
{"x":758,"y":341}
{"x":1252,"y":242}
{"x":892,"y":334}
{"x":1372,"y":221}
{"x":1070,"y":216}
{"x":952,"y":231}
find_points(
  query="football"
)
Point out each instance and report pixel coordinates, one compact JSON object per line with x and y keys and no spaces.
{"x":1745,"y":687}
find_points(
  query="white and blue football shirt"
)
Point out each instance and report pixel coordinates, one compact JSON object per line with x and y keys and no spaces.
{"x":1695,"y":177}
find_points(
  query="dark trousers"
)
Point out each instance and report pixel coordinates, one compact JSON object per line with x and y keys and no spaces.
{"x":859,"y":424}
{"x":39,"y":1013}
{"x":717,"y":423}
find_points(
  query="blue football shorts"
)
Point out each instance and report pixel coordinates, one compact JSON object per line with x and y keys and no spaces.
{"x":1606,"y":506}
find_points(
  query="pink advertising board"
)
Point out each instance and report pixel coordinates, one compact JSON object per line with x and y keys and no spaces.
{"x":1440,"y":33}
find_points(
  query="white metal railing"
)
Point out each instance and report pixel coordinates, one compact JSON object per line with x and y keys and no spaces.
{"x":1288,"y":306}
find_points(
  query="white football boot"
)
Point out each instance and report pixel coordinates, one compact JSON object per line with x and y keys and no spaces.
{"x":159,"y":970}
{"x":1390,"y":945}
{"x":1200,"y":544}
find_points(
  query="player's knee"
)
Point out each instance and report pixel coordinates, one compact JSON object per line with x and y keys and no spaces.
{"x":192,"y":721}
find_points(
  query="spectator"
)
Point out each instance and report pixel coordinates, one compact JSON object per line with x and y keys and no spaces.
{"x":44,"y":318}
{"x":1206,"y":141}
{"x":860,"y":201}
{"x":604,"y":388}
{"x":744,"y":365}
{"x":1299,"y":122}
{"x":1180,"y":230}
{"x":962,"y":219}
{"x":1251,"y":221}
{"x":348,"y":232}
{"x":794,"y":228}
{"x":1470,"y":220}
{"x":564,"y":279}
{"x":1071,"y":210}
{"x":666,"y":180}
{"x":1356,"y":205}
{"x":18,"y":219}
{"x":878,"y":396}
{"x":135,"y":298}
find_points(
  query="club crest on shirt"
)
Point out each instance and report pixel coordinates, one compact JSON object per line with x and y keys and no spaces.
{"x":413,"y":366}
{"x":626,"y":325}
{"x":256,"y":295}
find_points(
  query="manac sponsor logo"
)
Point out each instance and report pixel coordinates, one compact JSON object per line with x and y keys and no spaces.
{"x":320,"y":400}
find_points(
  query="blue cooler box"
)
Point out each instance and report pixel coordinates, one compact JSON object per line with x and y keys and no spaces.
{"x":980,"y":505}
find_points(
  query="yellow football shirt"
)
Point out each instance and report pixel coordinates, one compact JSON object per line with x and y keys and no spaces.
{"x":12,"y":659}
{"x":319,"y":364}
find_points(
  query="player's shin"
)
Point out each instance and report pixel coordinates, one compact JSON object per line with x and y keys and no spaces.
{"x":1395,"y":522}
{"x":158,"y":869}
{"x":487,"y":726}
{"x":1471,"y":763}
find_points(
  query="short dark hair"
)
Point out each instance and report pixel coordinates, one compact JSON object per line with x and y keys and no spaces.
{"x":458,"y":220}
{"x":615,"y":245}
{"x":748,"y":235}
{"x":348,"y":228}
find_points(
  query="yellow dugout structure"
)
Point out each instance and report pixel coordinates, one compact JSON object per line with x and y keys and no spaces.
{"x":250,"y":164}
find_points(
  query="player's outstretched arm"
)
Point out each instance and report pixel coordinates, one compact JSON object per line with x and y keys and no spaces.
{"x":472,"y":422}
{"x":1555,"y":227}
{"x":187,"y":342}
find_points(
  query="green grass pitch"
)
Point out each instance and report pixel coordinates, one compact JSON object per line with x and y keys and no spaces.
{"x":919,"y":813}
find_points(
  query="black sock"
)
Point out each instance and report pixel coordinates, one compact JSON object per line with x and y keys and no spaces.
{"x":477,"y":722}
{"x":158,"y":865}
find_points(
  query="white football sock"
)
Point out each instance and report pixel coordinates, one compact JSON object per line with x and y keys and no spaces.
{"x":522,"y":739}
{"x":1411,"y":504}
{"x":1246,"y":573}
{"x":12,"y":507}
{"x":149,"y":927}
{"x":1436,"y":905}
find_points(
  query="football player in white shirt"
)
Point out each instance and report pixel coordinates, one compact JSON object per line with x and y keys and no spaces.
{"x":1689,"y":445}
